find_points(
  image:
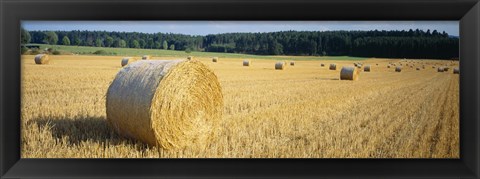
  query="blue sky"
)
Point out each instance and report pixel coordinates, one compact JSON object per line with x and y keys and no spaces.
{"x":216,"y":27}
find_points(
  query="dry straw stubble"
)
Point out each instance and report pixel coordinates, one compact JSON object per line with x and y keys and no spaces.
{"x":168,"y":103}
{"x":42,"y":59}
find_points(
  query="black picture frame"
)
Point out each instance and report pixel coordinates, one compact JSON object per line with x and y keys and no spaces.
{"x":13,"y":11}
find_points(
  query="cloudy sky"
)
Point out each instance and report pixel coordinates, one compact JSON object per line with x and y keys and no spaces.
{"x":216,"y":27}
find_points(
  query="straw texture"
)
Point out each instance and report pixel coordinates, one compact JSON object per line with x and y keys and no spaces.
{"x":168,"y":103}
{"x":42,"y":59}
{"x":349,"y":73}
{"x":127,"y":60}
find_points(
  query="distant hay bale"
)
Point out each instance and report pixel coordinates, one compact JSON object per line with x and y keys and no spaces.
{"x":418,"y":68}
{"x":146,"y":57}
{"x":388,"y":66}
{"x":322,"y":65}
{"x":246,"y":62}
{"x":280,"y":65}
{"x":349,"y":73}
{"x":214,"y":59}
{"x":190,"y":57}
{"x":398,"y":69}
{"x":446,"y":68}
{"x":166,"y":103}
{"x":440,"y":69}
{"x":333,"y":66}
{"x":42,"y":59}
{"x":127,"y":60}
{"x":377,"y":64}
{"x":456,"y":70}
{"x":433,"y":67}
{"x":292,"y":63}
{"x":366,"y":68}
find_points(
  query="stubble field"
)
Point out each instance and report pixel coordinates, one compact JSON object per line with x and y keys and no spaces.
{"x":304,"y":111}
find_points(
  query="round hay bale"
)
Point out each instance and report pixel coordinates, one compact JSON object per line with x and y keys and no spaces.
{"x":246,"y":63}
{"x":446,"y":68}
{"x":165,"y":103}
{"x":398,"y":69}
{"x":214,"y":59}
{"x":292,"y":63}
{"x":322,"y":65}
{"x":190,"y":58}
{"x":418,"y":68}
{"x":127,"y":60}
{"x":456,"y":70}
{"x":388,"y":66}
{"x":146,"y":57}
{"x":333,"y":66}
{"x":349,"y":73}
{"x":366,"y":68}
{"x":42,"y":59}
{"x":280,"y":66}
{"x":440,"y":69}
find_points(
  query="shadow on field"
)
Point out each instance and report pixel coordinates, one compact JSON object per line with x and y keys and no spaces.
{"x":328,"y":78}
{"x":83,"y":129}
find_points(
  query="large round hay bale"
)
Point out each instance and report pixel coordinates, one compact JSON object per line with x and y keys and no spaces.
{"x":280,"y":65}
{"x":456,"y":70}
{"x":333,"y":66}
{"x":127,"y":60}
{"x":292,"y":63}
{"x":165,"y":103}
{"x":398,"y":69}
{"x":349,"y":73}
{"x":366,"y":68}
{"x":146,"y":57}
{"x":42,"y":59}
{"x":214,"y":59}
{"x":440,"y":69}
{"x":246,"y":62}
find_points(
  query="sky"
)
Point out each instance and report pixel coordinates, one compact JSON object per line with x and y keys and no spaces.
{"x":216,"y":27}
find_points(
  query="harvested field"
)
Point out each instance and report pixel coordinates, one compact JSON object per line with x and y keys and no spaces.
{"x":302,"y":112}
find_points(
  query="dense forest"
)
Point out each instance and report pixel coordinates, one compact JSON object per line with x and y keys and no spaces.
{"x":387,"y":44}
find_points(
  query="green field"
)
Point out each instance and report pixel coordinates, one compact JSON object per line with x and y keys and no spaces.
{"x":81,"y":50}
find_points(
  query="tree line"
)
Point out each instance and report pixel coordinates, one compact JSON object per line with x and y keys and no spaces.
{"x":383,"y":44}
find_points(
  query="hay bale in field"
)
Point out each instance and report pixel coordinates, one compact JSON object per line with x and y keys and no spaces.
{"x":165,"y":103}
{"x":388,"y":66}
{"x":440,"y":69}
{"x":246,"y":63}
{"x":214,"y":59}
{"x":190,"y":58}
{"x":280,"y":65}
{"x":418,"y":68}
{"x":366,"y":68}
{"x":446,"y":68}
{"x":42,"y":59}
{"x":322,"y":65}
{"x":146,"y":57}
{"x":127,"y":60}
{"x":333,"y":66}
{"x":292,"y":63}
{"x":398,"y":69}
{"x":456,"y":70}
{"x":349,"y":73}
